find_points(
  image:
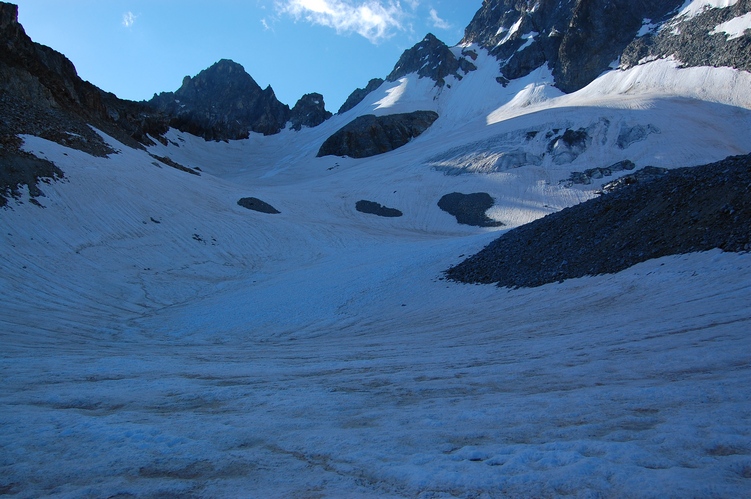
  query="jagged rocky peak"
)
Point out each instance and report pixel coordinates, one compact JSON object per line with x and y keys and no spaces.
{"x":431,"y":58}
{"x":223,"y":102}
{"x":359,"y":94}
{"x":309,"y":111}
{"x":578,"y":39}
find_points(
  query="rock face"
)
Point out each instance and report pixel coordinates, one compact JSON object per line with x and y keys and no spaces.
{"x":359,"y":94}
{"x":431,"y":58}
{"x":223,"y":102}
{"x":694,"y":41}
{"x":682,"y":211}
{"x":41,"y":94}
{"x":370,"y":135}
{"x":309,"y":111}
{"x":578,"y":39}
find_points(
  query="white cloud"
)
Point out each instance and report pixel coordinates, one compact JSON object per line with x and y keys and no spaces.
{"x":437,"y":21}
{"x":129,"y":19}
{"x":373,"y":19}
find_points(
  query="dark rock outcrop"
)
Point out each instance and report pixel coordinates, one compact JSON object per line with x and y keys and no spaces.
{"x":370,"y":135}
{"x":223,"y":102}
{"x":578,"y":39}
{"x":431,"y":58}
{"x":469,"y":209}
{"x":373,"y":208}
{"x":683,"y":211}
{"x":21,"y":168}
{"x":359,"y":94}
{"x":309,"y":111}
{"x":258,"y":205}
{"x":586,"y":177}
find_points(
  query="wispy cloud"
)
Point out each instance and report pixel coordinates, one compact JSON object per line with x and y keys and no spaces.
{"x":129,"y":19}
{"x":437,"y":21}
{"x":375,"y":20}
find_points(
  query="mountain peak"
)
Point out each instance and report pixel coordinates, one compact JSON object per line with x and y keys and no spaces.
{"x":223,"y":102}
{"x":433,"y":59}
{"x":309,"y":111}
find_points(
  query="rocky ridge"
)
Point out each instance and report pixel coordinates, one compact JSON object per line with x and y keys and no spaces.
{"x":681,"y":211}
{"x":359,"y":94}
{"x":41,"y":94}
{"x":309,"y":111}
{"x":431,"y":58}
{"x":222,"y":102}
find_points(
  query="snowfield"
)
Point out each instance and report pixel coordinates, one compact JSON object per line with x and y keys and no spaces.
{"x":158,"y":340}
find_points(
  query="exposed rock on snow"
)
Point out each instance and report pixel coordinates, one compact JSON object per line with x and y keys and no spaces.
{"x":683,"y":211}
{"x":373,"y":208}
{"x":359,"y":94}
{"x":585,"y":177}
{"x":309,"y":111}
{"x":370,"y":135}
{"x":469,"y":209}
{"x":695,"y":41}
{"x":431,"y":58}
{"x":645,"y":174}
{"x":21,"y":168}
{"x":256,"y":204}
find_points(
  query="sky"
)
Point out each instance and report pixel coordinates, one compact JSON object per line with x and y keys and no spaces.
{"x":135,"y":48}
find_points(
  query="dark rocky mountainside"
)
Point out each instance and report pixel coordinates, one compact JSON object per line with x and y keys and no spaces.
{"x":309,"y":111}
{"x":579,"y":39}
{"x":694,"y":41}
{"x":359,"y":94}
{"x":223,"y":102}
{"x":370,"y":135}
{"x":683,"y":211}
{"x":431,"y":58}
{"x":41,"y":94}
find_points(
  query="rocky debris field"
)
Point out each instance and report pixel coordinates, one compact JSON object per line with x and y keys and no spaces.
{"x":683,"y":211}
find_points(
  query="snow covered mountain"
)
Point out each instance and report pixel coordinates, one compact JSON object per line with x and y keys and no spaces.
{"x":193,"y":318}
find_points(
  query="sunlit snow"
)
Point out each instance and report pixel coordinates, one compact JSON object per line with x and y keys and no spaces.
{"x":160,"y":340}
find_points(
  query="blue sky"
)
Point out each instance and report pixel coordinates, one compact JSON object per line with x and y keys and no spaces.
{"x":135,"y":48}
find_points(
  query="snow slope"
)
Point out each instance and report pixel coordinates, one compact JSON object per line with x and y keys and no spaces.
{"x":158,"y":340}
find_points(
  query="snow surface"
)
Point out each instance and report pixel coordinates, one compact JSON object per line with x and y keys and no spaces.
{"x":735,"y":28}
{"x":160,"y":340}
{"x":695,"y":7}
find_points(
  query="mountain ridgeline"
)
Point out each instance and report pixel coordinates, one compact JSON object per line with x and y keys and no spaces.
{"x":225,"y":102}
{"x":577,"y":40}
